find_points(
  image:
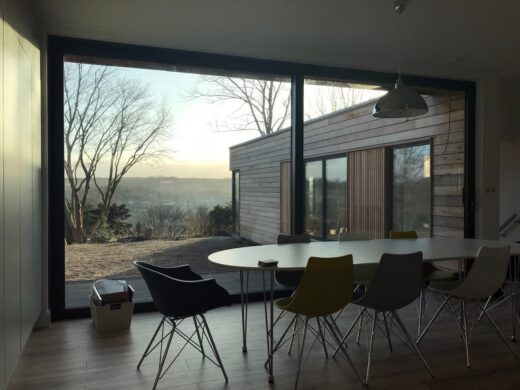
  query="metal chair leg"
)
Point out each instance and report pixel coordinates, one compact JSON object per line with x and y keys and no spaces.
{"x":198,"y":336}
{"x":498,"y":331}
{"x":281,"y":340}
{"x":345,"y":338}
{"x":465,"y":326}
{"x":360,"y":326}
{"x":421,"y":312}
{"x":300,"y":354}
{"x":214,"y":347}
{"x":343,"y":349}
{"x":322,"y":336}
{"x":370,"y":347}
{"x":163,"y":357}
{"x":434,"y":318}
{"x":387,"y":333}
{"x":147,"y":350}
{"x":414,"y":346}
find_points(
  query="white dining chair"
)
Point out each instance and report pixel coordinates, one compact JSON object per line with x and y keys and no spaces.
{"x":485,"y":277}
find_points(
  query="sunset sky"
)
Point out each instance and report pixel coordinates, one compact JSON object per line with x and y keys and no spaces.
{"x":196,"y":148}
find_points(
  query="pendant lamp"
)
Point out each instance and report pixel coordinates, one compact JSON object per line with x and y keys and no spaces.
{"x":402,"y":101}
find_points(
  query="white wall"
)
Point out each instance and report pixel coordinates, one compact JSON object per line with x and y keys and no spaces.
{"x":20,"y":178}
{"x":498,"y":122}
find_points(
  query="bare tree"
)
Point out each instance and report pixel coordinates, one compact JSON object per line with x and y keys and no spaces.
{"x":328,"y":99}
{"x":264,"y":104}
{"x":111,"y":123}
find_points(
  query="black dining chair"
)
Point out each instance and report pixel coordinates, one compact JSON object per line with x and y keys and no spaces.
{"x":178,"y":294}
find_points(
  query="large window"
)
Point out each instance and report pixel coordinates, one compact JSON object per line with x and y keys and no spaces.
{"x":147,"y":169}
{"x":164,"y":202}
{"x":411,"y":189}
{"x":326,"y":197}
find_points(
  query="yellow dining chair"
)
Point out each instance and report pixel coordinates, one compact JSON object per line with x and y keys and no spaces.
{"x":326,"y":287}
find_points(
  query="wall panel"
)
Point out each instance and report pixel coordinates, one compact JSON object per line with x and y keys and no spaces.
{"x":11,"y":198}
{"x":366,"y":192}
{"x":20,"y":185}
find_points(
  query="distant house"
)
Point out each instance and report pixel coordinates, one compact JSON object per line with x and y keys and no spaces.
{"x":362,"y":174}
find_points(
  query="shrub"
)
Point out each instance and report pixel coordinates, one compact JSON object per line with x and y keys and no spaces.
{"x":103,"y":234}
{"x":166,"y":221}
{"x":221,"y":220}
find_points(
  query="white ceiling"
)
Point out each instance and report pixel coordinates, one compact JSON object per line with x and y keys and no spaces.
{"x":484,"y":34}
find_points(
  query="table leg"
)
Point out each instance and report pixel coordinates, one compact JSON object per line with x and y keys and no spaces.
{"x":269,"y":323}
{"x":244,"y":300}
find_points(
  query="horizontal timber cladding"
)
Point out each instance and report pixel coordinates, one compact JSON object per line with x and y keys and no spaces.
{"x":366,"y":192}
{"x":265,"y":181}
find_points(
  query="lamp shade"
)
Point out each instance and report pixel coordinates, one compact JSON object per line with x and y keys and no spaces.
{"x":401,"y":102}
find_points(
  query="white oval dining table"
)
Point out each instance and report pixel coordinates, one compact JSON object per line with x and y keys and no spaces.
{"x":293,"y":257}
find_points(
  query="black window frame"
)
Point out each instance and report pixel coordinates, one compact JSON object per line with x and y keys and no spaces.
{"x":324,"y":209}
{"x":389,"y":162}
{"x":60,"y":47}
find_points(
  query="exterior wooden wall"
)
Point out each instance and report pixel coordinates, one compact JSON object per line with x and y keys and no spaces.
{"x":348,"y":131}
{"x":366,"y":192}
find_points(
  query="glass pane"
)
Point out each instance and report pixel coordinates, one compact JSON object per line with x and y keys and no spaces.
{"x":412,"y":189}
{"x":336,"y":190}
{"x":314,"y":198}
{"x":148,"y":158}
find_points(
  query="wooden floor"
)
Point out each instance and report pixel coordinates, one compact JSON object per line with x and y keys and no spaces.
{"x":72,"y":355}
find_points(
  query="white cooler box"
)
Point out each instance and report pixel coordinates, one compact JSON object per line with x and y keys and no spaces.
{"x":111,"y":305}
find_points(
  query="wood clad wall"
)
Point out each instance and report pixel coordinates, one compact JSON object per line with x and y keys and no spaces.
{"x":366,"y":192}
{"x":259,"y":165}
{"x":349,"y":131}
{"x":20,"y":185}
{"x":285,"y":197}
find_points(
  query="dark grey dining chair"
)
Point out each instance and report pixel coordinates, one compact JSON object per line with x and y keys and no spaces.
{"x":397,"y":282}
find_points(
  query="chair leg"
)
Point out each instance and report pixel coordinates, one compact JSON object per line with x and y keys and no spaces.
{"x":498,"y":330}
{"x":147,"y":350}
{"x":345,"y":338}
{"x":414,"y":346}
{"x":360,"y":326}
{"x":434,"y":318}
{"x":342,"y":347}
{"x":198,"y":336}
{"x":281,"y":340}
{"x":371,"y":346}
{"x":422,"y":301}
{"x":294,"y":333}
{"x":322,"y":336}
{"x":163,"y":357}
{"x":465,"y":326}
{"x":214,"y":347}
{"x":387,"y":333}
{"x":300,"y":354}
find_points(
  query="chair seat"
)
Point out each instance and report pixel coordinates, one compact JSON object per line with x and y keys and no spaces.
{"x":444,"y":287}
{"x":281,"y":303}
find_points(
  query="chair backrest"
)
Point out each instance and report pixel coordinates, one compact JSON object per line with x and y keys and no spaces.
{"x":294,"y":239}
{"x":403,"y":234}
{"x":326,"y":286}
{"x":397,"y":282}
{"x":487,"y":274}
{"x":362,"y":236}
{"x":176,"y":297}
{"x":291,"y":279}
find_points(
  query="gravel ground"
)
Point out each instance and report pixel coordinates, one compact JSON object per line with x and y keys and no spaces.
{"x":93,"y":261}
